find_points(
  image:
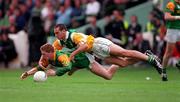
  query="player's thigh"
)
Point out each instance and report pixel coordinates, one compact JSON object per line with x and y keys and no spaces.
{"x":117,"y":50}
{"x":98,"y":69}
{"x":122,"y":62}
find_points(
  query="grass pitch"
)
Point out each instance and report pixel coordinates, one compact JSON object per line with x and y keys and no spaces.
{"x":128,"y":85}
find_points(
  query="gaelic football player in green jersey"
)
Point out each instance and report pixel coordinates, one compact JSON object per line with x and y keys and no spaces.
{"x":172,"y":17}
{"x":104,"y":49}
{"x":61,"y":64}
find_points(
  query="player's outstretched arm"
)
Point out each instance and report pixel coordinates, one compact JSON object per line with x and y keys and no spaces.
{"x":28,"y":73}
{"x":82,"y":48}
{"x":43,"y":63}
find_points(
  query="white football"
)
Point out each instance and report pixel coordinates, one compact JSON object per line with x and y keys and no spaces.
{"x":40,"y":76}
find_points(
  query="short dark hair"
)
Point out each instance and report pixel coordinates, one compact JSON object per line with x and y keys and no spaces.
{"x":61,"y":27}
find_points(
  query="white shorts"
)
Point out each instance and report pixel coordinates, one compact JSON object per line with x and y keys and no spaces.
{"x":172,"y":35}
{"x":91,"y":59}
{"x":101,"y":47}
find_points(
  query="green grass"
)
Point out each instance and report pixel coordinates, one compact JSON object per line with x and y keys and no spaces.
{"x":128,"y":85}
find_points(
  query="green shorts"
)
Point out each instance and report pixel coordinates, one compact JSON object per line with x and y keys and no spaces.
{"x":81,"y":61}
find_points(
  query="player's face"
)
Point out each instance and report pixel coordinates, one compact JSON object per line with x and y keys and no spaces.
{"x":59,"y":34}
{"x":47,"y":55}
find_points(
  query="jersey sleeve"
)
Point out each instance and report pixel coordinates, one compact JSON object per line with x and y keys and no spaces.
{"x":57,"y":45}
{"x":78,"y":38}
{"x":64,"y":59}
{"x":170,"y":7}
{"x":82,"y":38}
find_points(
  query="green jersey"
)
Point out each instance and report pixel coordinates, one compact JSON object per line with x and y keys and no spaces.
{"x":63,"y":64}
{"x":68,"y":43}
{"x":173,"y":8}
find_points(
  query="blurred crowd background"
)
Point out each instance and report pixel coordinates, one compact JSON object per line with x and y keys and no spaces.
{"x":27,"y":24}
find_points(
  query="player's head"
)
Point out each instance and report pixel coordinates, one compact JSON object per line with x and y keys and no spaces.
{"x":177,"y":1}
{"x":60,"y":31}
{"x":47,"y":50}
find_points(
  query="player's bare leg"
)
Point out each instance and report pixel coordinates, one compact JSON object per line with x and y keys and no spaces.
{"x":99,"y":70}
{"x":116,"y":50}
{"x":151,"y":59}
{"x":120,"y":61}
{"x":168,"y":53}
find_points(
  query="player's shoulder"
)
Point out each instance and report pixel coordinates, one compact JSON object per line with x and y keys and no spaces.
{"x":56,"y":41}
{"x":57,"y":45}
{"x":64,"y":59}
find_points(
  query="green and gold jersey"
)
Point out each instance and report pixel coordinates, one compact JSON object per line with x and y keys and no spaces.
{"x":69,"y":43}
{"x":74,"y":38}
{"x":173,"y":8}
{"x":63,"y":64}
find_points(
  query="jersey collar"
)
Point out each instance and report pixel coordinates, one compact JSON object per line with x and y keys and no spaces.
{"x":67,"y":35}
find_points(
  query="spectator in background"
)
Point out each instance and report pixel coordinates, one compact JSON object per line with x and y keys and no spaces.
{"x":84,"y":5}
{"x":115,"y":29}
{"x":47,"y":9}
{"x":151,"y":22}
{"x":29,"y":5}
{"x":49,"y":23}
{"x":7,"y":48}
{"x":36,"y":10}
{"x":93,"y":29}
{"x":109,"y":5}
{"x":134,"y":27}
{"x":121,"y":4}
{"x":152,"y":26}
{"x":25,"y":12}
{"x":78,"y":15}
{"x":36,"y":34}
{"x":20,"y":19}
{"x":140,"y":44}
{"x":64,"y":15}
{"x":12,"y":24}
{"x":92,"y":9}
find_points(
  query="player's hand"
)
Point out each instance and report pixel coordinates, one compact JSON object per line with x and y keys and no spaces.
{"x":71,"y":58}
{"x":42,"y":67}
{"x":24,"y":75}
